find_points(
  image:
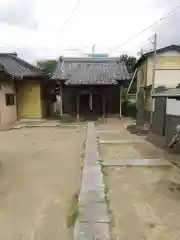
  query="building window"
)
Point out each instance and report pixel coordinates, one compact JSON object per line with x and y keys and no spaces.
{"x":9,"y":99}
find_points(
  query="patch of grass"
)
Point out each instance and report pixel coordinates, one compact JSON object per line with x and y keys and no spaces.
{"x":83,"y":155}
{"x":100,"y":161}
{"x":73,"y":212}
{"x":106,"y":190}
{"x":69,"y":119}
{"x":103,"y":170}
{"x":82,"y":162}
{"x":65,"y":119}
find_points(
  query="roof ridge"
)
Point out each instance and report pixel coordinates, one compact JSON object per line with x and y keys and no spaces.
{"x":101,"y":59}
{"x":8,"y":54}
{"x":21,"y":61}
{"x":25,"y":63}
{"x":91,"y":75}
{"x":159,"y":50}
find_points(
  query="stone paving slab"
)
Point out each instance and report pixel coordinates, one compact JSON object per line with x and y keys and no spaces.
{"x":87,"y":186}
{"x":92,"y":177}
{"x":97,"y":231}
{"x":90,"y":162}
{"x":138,"y":162}
{"x":121,"y":141}
{"x":93,"y":216}
{"x":90,"y":196}
{"x":93,"y":213}
{"x":108,"y":131}
{"x":47,"y":125}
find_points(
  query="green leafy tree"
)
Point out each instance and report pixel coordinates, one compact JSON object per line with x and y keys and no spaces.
{"x":178,"y":86}
{"x":48,"y":66}
{"x":130,"y":61}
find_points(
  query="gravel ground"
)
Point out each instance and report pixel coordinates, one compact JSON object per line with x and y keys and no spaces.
{"x":40,"y":173}
{"x":144,"y":201}
{"x":129,"y":151}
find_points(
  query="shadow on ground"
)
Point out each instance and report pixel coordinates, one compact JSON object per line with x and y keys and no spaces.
{"x":133,"y":129}
{"x":171,"y":154}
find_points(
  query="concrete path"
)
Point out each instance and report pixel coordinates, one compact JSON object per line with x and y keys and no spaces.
{"x":121,"y":141}
{"x":138,"y":162}
{"x":93,"y":221}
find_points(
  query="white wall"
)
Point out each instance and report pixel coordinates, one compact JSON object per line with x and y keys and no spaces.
{"x":167,"y":78}
{"x":173,"y":107}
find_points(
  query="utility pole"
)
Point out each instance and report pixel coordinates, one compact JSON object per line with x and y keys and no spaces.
{"x":141,"y":52}
{"x":154,"y":61}
{"x":93,"y":49}
{"x":154,"y":72}
{"x":61,"y":86}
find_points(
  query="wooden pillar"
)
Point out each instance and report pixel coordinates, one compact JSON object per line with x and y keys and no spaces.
{"x":77,"y":105}
{"x":90,"y":102}
{"x":103,"y":106}
{"x":120,"y":101}
{"x":61,"y":103}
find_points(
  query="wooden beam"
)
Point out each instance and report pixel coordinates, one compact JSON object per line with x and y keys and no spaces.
{"x":120,"y":102}
{"x":61,"y":103}
{"x":90,"y":102}
{"x":77,"y":105}
{"x":103,"y":106}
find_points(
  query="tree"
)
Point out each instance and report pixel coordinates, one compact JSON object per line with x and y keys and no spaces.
{"x":48,"y":66}
{"x":178,"y":86}
{"x":130,"y":61}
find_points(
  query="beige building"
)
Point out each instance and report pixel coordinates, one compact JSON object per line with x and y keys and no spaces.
{"x":167,"y":75}
{"x":8,"y":108}
{"x":21,"y":90}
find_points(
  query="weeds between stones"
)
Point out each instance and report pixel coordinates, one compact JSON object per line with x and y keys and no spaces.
{"x":74,"y":211}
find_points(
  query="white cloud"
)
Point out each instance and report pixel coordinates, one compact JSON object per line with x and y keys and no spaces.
{"x":18,"y":13}
{"x":31,"y":27}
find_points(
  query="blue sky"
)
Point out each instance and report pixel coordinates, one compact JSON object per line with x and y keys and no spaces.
{"x":31,"y":27}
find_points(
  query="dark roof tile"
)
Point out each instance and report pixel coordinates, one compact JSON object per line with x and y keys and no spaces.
{"x":17,"y":67}
{"x":91,"y":71}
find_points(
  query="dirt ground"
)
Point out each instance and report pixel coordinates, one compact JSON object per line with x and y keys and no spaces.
{"x":40,"y":173}
{"x":143,"y":202}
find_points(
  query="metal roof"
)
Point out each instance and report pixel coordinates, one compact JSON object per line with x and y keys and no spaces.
{"x":91,"y":71}
{"x":17,"y":67}
{"x":170,"y":93}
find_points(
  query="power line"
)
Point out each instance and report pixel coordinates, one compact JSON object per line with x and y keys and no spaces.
{"x":162,"y":18}
{"x":69,"y":17}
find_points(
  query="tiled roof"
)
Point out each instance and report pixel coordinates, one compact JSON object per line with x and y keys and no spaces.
{"x":175,"y":92}
{"x":17,"y":67}
{"x":93,"y":71}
